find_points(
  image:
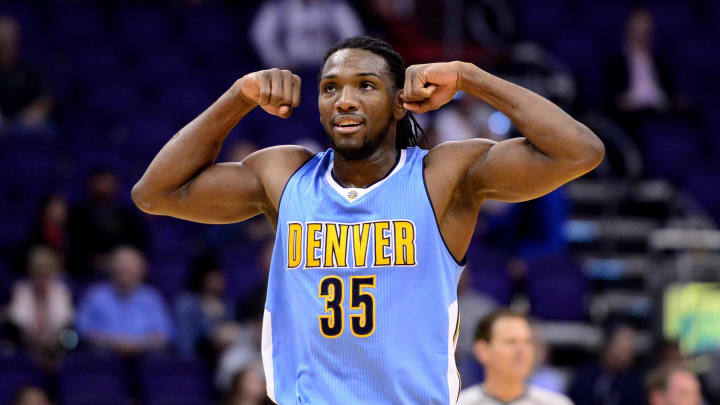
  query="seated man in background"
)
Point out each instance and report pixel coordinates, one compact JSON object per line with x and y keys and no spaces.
{"x":673,"y":384}
{"x":504,"y":345}
{"x":124,"y":315}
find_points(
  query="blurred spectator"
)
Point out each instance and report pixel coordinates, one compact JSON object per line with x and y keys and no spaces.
{"x":101,"y":223}
{"x":466,"y":118}
{"x":248,"y":387}
{"x":246,"y":348}
{"x":473,"y":306}
{"x":205,"y":314}
{"x":613,"y":380}
{"x":291,"y":34}
{"x":504,"y":345}
{"x":639,"y":80}
{"x":546,"y":375}
{"x":50,"y":228}
{"x":41,"y":305}
{"x":30,"y":395}
{"x":673,"y":384}
{"x":124,"y":315}
{"x":24,"y":99}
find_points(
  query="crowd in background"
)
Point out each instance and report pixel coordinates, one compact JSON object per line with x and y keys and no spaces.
{"x":89,"y":92}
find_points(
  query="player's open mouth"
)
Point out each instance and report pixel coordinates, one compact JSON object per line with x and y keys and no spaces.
{"x":347,"y":129}
{"x":347,"y":124}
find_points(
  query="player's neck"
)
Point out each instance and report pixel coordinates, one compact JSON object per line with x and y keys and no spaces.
{"x":363,"y":173}
{"x":504,"y":389}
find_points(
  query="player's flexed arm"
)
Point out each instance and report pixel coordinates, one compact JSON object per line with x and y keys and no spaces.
{"x":554,"y":150}
{"x":184,"y":181}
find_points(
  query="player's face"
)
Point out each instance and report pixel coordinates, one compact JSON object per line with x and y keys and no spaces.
{"x":510,"y":351}
{"x":356,"y":102}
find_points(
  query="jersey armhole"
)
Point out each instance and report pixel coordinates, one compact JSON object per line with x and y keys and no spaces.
{"x":282,"y":193}
{"x":461,"y":262}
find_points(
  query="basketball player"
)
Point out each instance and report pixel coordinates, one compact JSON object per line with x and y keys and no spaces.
{"x":371,"y":234}
{"x":504,"y":346}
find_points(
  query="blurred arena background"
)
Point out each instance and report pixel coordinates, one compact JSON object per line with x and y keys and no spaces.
{"x":620,"y":269}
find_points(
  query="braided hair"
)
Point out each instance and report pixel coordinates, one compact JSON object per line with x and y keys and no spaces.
{"x":407,"y":129}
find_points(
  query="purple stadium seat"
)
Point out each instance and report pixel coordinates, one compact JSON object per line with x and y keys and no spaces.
{"x":76,"y":23}
{"x":87,"y":377}
{"x":670,"y":146}
{"x":489,"y":274}
{"x":537,"y":19}
{"x":142,"y":26}
{"x":173,"y":380}
{"x":208,"y":27}
{"x":557,"y":288}
{"x":163,"y":68}
{"x":243,"y":271}
{"x":15,"y":372}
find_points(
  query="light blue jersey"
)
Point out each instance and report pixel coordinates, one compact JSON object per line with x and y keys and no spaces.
{"x":362,"y":294}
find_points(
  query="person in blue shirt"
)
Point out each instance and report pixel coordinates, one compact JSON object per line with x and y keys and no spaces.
{"x":123,"y":314}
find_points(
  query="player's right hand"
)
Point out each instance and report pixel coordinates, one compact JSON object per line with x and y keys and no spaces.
{"x":276,"y":91}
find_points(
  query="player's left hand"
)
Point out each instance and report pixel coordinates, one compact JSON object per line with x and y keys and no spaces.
{"x":430,"y":86}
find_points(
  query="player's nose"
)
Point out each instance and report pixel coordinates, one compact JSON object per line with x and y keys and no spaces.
{"x":347,"y":100}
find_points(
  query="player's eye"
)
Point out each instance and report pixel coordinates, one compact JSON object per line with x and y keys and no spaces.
{"x":329,"y":88}
{"x":367,"y":86}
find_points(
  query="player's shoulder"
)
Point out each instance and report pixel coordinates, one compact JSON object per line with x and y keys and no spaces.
{"x":277,"y":161}
{"x":543,"y":396}
{"x":275,"y":165}
{"x":285,"y":154}
{"x":469,"y":149}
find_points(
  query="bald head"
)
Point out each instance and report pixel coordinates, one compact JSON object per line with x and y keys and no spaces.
{"x":128,"y":268}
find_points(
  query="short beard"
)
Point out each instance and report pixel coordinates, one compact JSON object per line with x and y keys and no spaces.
{"x":366,"y":149}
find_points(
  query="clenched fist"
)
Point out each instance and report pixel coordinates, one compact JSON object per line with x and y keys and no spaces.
{"x":276,"y":91}
{"x":429,"y":86}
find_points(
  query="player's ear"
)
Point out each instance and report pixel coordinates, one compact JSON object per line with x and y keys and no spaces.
{"x":480,"y":350}
{"x":398,"y":110}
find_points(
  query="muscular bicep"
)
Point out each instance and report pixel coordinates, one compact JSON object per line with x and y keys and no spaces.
{"x":230,"y":192}
{"x":220,"y":194}
{"x":513,"y":170}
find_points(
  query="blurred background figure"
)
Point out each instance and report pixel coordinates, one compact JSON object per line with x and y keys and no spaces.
{"x":205,"y":314}
{"x":41,"y":306}
{"x":31,"y":395}
{"x":613,"y":378}
{"x":473,"y":306}
{"x":504,"y":346}
{"x":641,"y":80}
{"x":24,"y":98}
{"x":294,"y":34}
{"x":50,"y":228}
{"x":100,"y":223}
{"x":124,"y":315}
{"x":545,"y":375}
{"x":248,"y":387}
{"x":673,"y":384}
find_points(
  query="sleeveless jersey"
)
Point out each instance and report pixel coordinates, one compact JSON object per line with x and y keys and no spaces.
{"x":361,"y":304}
